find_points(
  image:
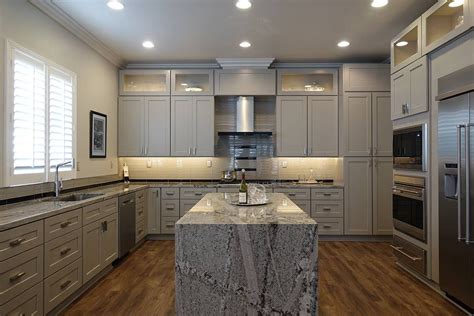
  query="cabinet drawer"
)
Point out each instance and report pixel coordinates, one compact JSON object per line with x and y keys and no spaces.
{"x":195,"y":193}
{"x":62,"y":224}
{"x":62,"y":284}
{"x":62,"y":251}
{"x":304,"y":205}
{"x":295,"y":194}
{"x":409,"y":255}
{"x":29,"y":302}
{"x":20,"y":239}
{"x":170,"y":193}
{"x":327,"y":194}
{"x":167,"y":224}
{"x":186,"y":205}
{"x":169,"y":208}
{"x":330,"y":226}
{"x":327,"y":209}
{"x":140,"y":212}
{"x":140,"y":196}
{"x":140,"y":231}
{"x":96,"y":211}
{"x":108,"y":207}
{"x":20,"y":273}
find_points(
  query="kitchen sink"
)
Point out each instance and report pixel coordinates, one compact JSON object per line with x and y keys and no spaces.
{"x":77,"y":197}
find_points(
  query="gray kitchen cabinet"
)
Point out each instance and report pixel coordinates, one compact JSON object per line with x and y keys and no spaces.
{"x":323,"y":127}
{"x":382,"y":134}
{"x":192,"y":82}
{"x":109,"y":240}
{"x":357,"y":124}
{"x":410,"y":89}
{"x":192,"y":126}
{"x":401,"y":56}
{"x":144,"y":126}
{"x":154,"y":210}
{"x":144,"y":82}
{"x":318,"y":81}
{"x":185,"y":206}
{"x":245,"y":82}
{"x":382,"y":196}
{"x":366,"y":77}
{"x":358,"y":196}
{"x":291,"y":127}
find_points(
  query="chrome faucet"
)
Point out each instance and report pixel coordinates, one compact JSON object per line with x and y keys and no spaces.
{"x":58,"y":183}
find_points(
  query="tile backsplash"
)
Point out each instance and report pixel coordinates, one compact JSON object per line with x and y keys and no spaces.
{"x":211,"y":168}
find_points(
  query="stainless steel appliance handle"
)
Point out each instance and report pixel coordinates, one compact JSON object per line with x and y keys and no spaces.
{"x":399,"y":249}
{"x":468,"y":184}
{"x":459,"y":186}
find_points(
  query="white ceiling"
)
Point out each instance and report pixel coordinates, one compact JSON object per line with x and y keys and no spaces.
{"x":289,"y":30}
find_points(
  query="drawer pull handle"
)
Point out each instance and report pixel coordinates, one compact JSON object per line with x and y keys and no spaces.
{"x":16,"y":242}
{"x":292,"y":194}
{"x":327,"y":226}
{"x":65,"y":251}
{"x":140,"y":213}
{"x":22,"y":314}
{"x":327,"y":209}
{"x":399,"y":249}
{"x":65,"y":284}
{"x":169,"y":225}
{"x":198,"y":194}
{"x":170,"y":208}
{"x":105,"y":226}
{"x":128,"y":201}
{"x":16,"y":277}
{"x":169,"y":193}
{"x":327,"y":194}
{"x":65,"y":224}
{"x":140,"y":231}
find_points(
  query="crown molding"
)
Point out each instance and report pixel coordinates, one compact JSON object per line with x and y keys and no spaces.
{"x":254,"y":63}
{"x":174,"y":66}
{"x":306,"y":65}
{"x":56,"y":13}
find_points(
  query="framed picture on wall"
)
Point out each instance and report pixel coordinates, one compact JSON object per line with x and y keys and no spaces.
{"x":98,"y":135}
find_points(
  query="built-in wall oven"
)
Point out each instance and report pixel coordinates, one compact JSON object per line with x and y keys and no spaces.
{"x":410,"y":147}
{"x":409,"y":206}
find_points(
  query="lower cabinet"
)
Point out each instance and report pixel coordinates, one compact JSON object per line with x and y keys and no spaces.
{"x":29,"y":302}
{"x":330,"y":226}
{"x":185,"y":206}
{"x":382,"y":196}
{"x":62,"y":284}
{"x":167,"y":224}
{"x":141,"y":215}
{"x":154,"y":211}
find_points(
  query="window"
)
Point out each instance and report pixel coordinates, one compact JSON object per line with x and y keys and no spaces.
{"x":41,"y":108}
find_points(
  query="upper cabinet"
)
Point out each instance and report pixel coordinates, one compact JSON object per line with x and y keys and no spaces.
{"x":366,"y":77}
{"x":307,"y":81}
{"x":443,"y":22}
{"x":144,"y":82}
{"x":406,"y":47}
{"x":192,"y":82}
{"x":244,"y":82}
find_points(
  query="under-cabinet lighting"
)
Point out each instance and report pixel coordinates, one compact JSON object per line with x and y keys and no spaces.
{"x":243,"y":4}
{"x":245,"y":44}
{"x":402,"y":43}
{"x":456,"y":3}
{"x":115,"y":5}
{"x":379,"y":3}
{"x":148,"y":44}
{"x":343,"y":44}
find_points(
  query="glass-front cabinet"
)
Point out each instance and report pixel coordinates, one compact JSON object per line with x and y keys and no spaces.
{"x":144,"y":82}
{"x":308,"y":81}
{"x":192,"y":82}
{"x":406,"y":47}
{"x":444,"y":21}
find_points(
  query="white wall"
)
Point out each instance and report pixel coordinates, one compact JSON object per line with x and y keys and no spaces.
{"x":97,"y":79}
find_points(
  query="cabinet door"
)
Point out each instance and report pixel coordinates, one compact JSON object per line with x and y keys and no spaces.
{"x":400,"y":93}
{"x":182,"y":126}
{"x":323,"y":127}
{"x":382,"y":196}
{"x":109,"y":240}
{"x":292,"y":129}
{"x":358,"y":196}
{"x":418,"y":72}
{"x":382,"y":131}
{"x":154,"y":211}
{"x":144,"y":82}
{"x":185,"y":206}
{"x":357,"y":124}
{"x":245,"y":81}
{"x":130,"y":126}
{"x":91,"y":255}
{"x":157,"y":126}
{"x":204,"y":126}
{"x":366,"y":77}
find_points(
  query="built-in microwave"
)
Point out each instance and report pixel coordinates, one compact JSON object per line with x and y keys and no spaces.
{"x":410,"y":147}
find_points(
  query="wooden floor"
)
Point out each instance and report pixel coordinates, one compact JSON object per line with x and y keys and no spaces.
{"x":356,"y":278}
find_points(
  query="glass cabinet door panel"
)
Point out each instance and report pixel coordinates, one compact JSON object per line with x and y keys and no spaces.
{"x":192,"y":83}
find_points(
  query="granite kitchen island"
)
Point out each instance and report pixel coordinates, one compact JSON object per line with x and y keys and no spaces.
{"x":234,"y":260}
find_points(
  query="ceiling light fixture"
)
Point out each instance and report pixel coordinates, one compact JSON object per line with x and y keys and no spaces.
{"x":402,"y":43}
{"x":243,"y":4}
{"x":379,"y":3}
{"x":115,"y":5}
{"x":343,"y":44}
{"x":245,"y":44}
{"x":456,"y":3}
{"x":148,"y":44}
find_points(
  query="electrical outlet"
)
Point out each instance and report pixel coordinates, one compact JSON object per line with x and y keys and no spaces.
{"x":209,"y":163}
{"x":148,"y":164}
{"x":284,"y":164}
{"x":78,"y":166}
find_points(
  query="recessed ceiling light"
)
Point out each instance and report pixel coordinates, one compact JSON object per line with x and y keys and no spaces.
{"x":343,"y":44}
{"x":115,"y":5}
{"x":402,"y":43}
{"x":456,"y":3}
{"x":245,"y":44}
{"x":379,"y":3}
{"x":243,"y":4}
{"x":148,"y":44}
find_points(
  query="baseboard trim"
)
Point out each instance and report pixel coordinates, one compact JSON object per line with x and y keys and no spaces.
{"x":160,"y":237}
{"x":355,"y":238}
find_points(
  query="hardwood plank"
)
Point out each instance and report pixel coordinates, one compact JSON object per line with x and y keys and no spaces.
{"x":356,"y":278}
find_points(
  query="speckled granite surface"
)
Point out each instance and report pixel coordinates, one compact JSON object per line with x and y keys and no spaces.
{"x":13,"y":215}
{"x":246,"y":260}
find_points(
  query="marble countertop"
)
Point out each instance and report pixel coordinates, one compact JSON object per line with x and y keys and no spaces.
{"x":17,"y":214}
{"x":214,"y":208}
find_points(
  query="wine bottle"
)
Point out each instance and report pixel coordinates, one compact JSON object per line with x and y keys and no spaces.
{"x":243,"y":190}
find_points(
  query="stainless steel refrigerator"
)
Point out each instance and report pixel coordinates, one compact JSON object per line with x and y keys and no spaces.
{"x":456,"y":185}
